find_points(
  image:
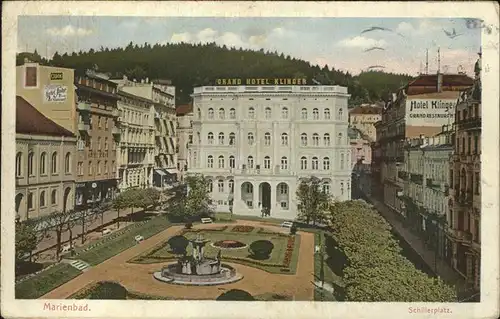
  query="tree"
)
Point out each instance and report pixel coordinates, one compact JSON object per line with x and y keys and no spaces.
{"x":313,"y":201}
{"x":26,"y":240}
{"x":119,"y":203}
{"x":60,"y":222}
{"x":236,"y":295}
{"x":191,"y":200}
{"x":261,"y":249}
{"x":148,"y":197}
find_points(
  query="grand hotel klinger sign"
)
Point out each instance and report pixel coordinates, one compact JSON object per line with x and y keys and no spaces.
{"x":429,"y":112}
{"x":262,"y":81}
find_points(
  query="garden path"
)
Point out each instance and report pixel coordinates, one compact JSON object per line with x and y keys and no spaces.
{"x":138,"y":277}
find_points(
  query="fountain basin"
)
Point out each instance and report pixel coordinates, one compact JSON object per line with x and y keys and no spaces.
{"x":169,"y":274}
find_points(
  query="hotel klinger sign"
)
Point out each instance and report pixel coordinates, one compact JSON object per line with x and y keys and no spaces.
{"x":429,"y":112}
{"x":262,"y":81}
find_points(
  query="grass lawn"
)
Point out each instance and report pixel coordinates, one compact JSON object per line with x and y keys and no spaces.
{"x":46,"y":281}
{"x":274,"y":264}
{"x":108,"y":247}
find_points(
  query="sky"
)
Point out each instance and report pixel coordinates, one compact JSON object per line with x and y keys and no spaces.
{"x":337,"y":42}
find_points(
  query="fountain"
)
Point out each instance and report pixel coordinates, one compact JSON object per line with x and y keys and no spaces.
{"x":197,"y":269}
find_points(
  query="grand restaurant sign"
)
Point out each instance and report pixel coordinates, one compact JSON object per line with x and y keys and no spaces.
{"x":429,"y":112}
{"x":262,"y":81}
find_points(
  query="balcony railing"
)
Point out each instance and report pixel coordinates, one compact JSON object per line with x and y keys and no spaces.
{"x":84,"y":106}
{"x":472,"y":123}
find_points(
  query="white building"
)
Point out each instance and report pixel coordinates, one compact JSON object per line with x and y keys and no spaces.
{"x":162,"y":94}
{"x":136,"y":143}
{"x":256,"y":142}
{"x":184,"y":137}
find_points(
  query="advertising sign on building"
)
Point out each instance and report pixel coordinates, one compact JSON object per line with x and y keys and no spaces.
{"x":55,"y":93}
{"x":56,"y":76}
{"x":429,"y":112}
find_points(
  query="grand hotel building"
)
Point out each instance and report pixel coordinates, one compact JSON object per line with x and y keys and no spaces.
{"x":255,"y":143}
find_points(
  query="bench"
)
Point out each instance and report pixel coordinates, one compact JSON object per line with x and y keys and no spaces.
{"x":138,"y":238}
{"x":287,"y":224}
{"x":206,"y":220}
{"x":66,"y":248}
{"x":106,"y":231}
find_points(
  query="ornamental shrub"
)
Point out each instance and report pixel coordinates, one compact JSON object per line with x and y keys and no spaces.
{"x":108,"y":290}
{"x":261,"y":249}
{"x":178,"y":244}
{"x":236,"y":295}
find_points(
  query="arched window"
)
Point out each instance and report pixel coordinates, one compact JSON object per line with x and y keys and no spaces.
{"x":53,"y":197}
{"x":284,"y":139}
{"x":222,"y":114}
{"x":67,"y":163}
{"x":43,"y":163}
{"x":303,"y":114}
{"x":210,"y":138}
{"x":249,"y":188}
{"x":19,"y":164}
{"x":303,"y":162}
{"x":250,"y":161}
{"x":339,"y":139}
{"x":267,"y":139}
{"x":232,"y":138}
{"x":341,"y":114}
{"x":326,"y":163}
{"x":210,"y":186}
{"x":326,"y":139}
{"x":326,"y":187}
{"x":315,"y":139}
{"x":42,"y":199}
{"x":231,"y":186}
{"x":221,"y":138}
{"x":284,"y":163}
{"x":231,"y":161}
{"x":268,"y":113}
{"x":54,"y":163}
{"x":210,"y":161}
{"x":221,"y":161}
{"x":342,"y":164}
{"x":232,"y":114}
{"x":315,"y":163}
{"x":284,"y":113}
{"x":327,"y":114}
{"x":315,"y":114}
{"x":210,"y":113}
{"x":267,"y":162}
{"x":199,"y":113}
{"x":341,"y":188}
{"x":30,"y":200}
{"x":283,"y":188}
{"x":303,"y":139}
{"x":220,"y":185}
{"x":251,"y":113}
{"x":250,"y":138}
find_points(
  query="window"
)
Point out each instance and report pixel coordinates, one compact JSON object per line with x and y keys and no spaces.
{"x":99,"y":143}
{"x":211,"y":113}
{"x":250,"y":161}
{"x":43,"y":163}
{"x":98,"y":167}
{"x":303,"y":114}
{"x":284,"y":163}
{"x":340,"y":114}
{"x":54,"y":163}
{"x":303,"y":162}
{"x":91,"y":171}
{"x":30,"y":200}
{"x":221,"y":161}
{"x":315,"y":139}
{"x":112,"y":167}
{"x":221,"y":138}
{"x":251,"y":113}
{"x":67,"y":163}
{"x":326,"y":163}
{"x":339,"y":139}
{"x":19,"y":165}
{"x":463,"y":145}
{"x":106,"y":143}
{"x":220,"y":184}
{"x":283,"y":189}
{"x":105,"y":167}
{"x":268,"y":113}
{"x":222,"y":114}
{"x":341,"y":188}
{"x":315,"y":163}
{"x":284,"y":139}
{"x":303,"y":139}
{"x":210,"y":138}
{"x":326,"y":187}
{"x":267,"y":162}
{"x":250,"y":138}
{"x":477,"y":183}
{"x":231,"y":161}
{"x":31,"y":76}
{"x":210,"y":161}
{"x":199,"y":113}
{"x":99,"y":121}
{"x":283,"y":204}
{"x":231,"y":186}
{"x":326,"y":113}
{"x":284,"y":113}
{"x":210,"y":186}
{"x":53,"y":197}
{"x":342,"y":164}
{"x":249,"y":188}
{"x":267,"y":139}
{"x":42,"y":199}
{"x":326,"y":139}
{"x":232,"y":114}
{"x":469,"y":145}
{"x":80,"y":168}
{"x":315,"y":114}
{"x":476,"y":144}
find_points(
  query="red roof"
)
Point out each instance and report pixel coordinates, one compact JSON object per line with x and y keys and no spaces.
{"x":427,"y":83}
{"x":30,"y":121}
{"x":183,"y":109}
{"x":366,"y":110}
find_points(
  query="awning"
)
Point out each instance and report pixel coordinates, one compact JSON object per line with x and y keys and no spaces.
{"x":171,"y":171}
{"x":160,"y":172}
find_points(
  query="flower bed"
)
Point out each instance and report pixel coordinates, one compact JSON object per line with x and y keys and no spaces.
{"x":229,"y":244}
{"x":263,"y":231}
{"x":243,"y":229}
{"x":289,"y":251}
{"x":215,"y":229}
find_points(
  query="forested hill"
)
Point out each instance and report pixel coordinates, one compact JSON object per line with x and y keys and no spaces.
{"x":189,"y":65}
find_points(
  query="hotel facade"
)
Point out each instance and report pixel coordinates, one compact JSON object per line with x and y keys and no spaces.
{"x":255,"y":143}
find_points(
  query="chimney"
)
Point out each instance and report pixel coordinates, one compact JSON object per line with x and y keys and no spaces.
{"x":439,"y":82}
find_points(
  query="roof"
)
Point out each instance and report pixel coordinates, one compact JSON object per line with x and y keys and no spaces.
{"x":96,"y":91}
{"x":30,"y":121}
{"x":184,"y":109}
{"x":132,"y":96}
{"x":427,"y":83}
{"x":366,"y":109}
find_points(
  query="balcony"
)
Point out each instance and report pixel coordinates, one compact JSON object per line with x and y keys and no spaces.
{"x":83,"y":106}
{"x":463,"y":236}
{"x":83,"y":127}
{"x":116,"y":131}
{"x":469,"y":124}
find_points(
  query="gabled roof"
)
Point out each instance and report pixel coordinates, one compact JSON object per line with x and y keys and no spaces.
{"x":30,"y":121}
{"x":184,"y":109}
